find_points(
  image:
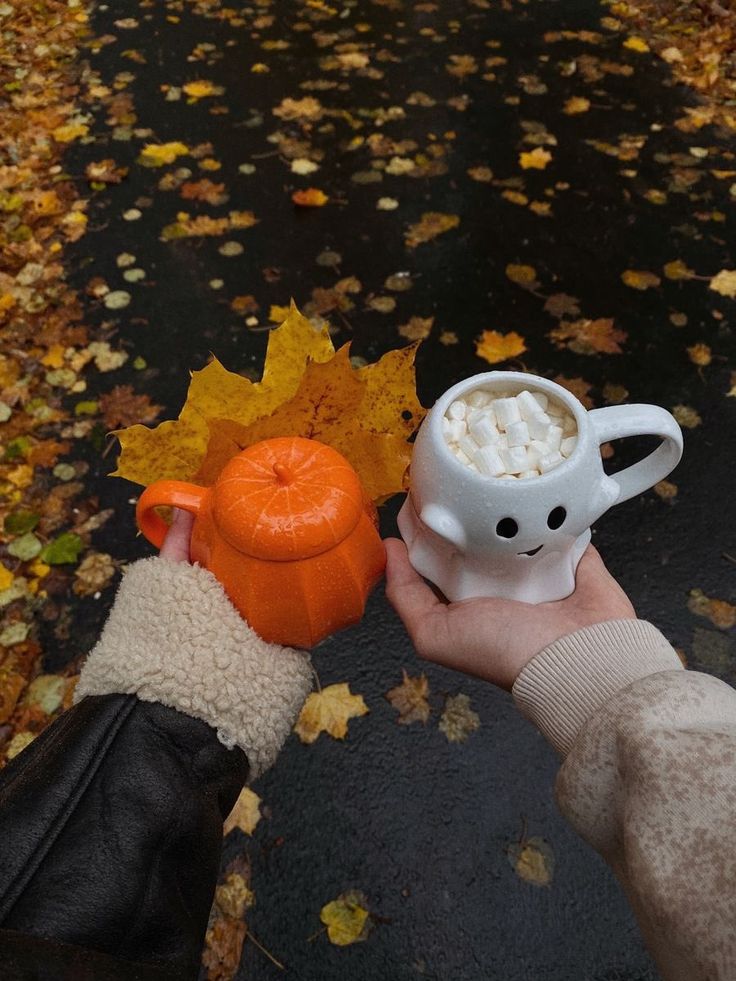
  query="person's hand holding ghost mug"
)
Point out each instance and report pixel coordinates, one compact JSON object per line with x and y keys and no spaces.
{"x":495,"y":638}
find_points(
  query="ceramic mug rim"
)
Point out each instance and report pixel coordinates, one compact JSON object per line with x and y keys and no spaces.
{"x":481,"y":381}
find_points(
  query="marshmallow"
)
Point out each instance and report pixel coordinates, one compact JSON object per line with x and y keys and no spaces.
{"x":482,"y":428}
{"x":537,"y":449}
{"x":569,"y":427}
{"x":468,"y":445}
{"x":518,"y":433}
{"x":507,"y":411}
{"x":539,"y":426}
{"x":457,"y":410}
{"x":457,"y":429}
{"x":528,"y":405}
{"x":462,"y":458}
{"x":550,"y":461}
{"x":479,"y":398}
{"x":542,"y":399}
{"x":554,"y":437}
{"x":515,"y":459}
{"x":525,"y":474}
{"x":488,"y":461}
{"x":568,"y":445}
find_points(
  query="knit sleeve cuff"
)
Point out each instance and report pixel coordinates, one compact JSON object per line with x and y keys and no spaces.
{"x":564,"y":685}
{"x":174,"y":637}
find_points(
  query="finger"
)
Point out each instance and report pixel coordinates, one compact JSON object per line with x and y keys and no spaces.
{"x":176,"y":544}
{"x":407,"y":592}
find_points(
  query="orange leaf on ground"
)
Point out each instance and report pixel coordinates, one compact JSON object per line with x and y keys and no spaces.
{"x":311,"y":198}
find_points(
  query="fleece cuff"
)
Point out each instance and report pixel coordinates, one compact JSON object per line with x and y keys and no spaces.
{"x":174,"y":637}
{"x":564,"y":685}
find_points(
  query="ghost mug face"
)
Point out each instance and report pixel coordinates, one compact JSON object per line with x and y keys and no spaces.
{"x":476,"y":535}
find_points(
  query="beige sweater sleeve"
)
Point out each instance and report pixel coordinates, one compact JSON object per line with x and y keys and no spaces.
{"x":649,"y":780}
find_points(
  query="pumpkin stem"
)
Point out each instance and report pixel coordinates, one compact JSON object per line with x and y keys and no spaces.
{"x":283,"y":474}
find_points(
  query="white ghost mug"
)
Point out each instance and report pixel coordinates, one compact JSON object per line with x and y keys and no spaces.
{"x":474,"y":535}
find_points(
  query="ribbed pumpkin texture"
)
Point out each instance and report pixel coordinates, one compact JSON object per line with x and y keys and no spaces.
{"x":288,"y":531}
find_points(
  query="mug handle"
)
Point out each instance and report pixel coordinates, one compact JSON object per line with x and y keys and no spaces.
{"x":618,"y":421}
{"x":165,"y":493}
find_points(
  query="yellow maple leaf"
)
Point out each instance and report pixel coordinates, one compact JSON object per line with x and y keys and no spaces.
{"x":639,"y":279}
{"x":410,"y":699}
{"x":159,"y":154}
{"x":175,"y":449}
{"x":536,"y":159}
{"x":329,"y":711}
{"x":346,"y":918}
{"x":246,"y":813}
{"x":69,"y":132}
{"x":359,"y":413}
{"x":725,"y":283}
{"x":201,"y":89}
{"x":635,"y":43}
{"x":494,"y":347}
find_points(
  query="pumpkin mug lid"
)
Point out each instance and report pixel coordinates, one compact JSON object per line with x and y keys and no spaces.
{"x":287,"y":498}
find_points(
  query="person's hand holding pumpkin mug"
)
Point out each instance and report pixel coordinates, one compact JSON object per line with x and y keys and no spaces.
{"x":495,"y":638}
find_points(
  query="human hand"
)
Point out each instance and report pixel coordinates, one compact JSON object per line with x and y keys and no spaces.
{"x":176,"y":544}
{"x":495,"y":638}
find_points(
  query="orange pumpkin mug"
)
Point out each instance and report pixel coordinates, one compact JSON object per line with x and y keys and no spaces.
{"x":288,"y":531}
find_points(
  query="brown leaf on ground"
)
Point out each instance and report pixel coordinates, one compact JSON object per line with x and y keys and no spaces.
{"x":578,"y":387}
{"x":204,"y":190}
{"x":410,"y":699}
{"x":432,"y":224}
{"x":589,"y":336}
{"x":122,"y":406}
{"x":458,"y":720}
{"x":93,"y":573}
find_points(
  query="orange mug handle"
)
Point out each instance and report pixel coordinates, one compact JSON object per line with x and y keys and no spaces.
{"x":165,"y":493}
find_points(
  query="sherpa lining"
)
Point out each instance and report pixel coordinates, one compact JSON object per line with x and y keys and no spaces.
{"x":174,"y":637}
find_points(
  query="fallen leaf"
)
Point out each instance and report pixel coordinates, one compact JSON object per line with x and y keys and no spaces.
{"x":635,"y":43}
{"x":640,"y":279}
{"x":432,"y":224}
{"x":223,"y":948}
{"x":246,"y":813}
{"x":576,"y":105}
{"x":122,"y":406}
{"x":700,"y":354}
{"x":589,"y":336}
{"x":678,"y":270}
{"x":686,"y":416}
{"x":159,"y":154}
{"x":719,"y":612}
{"x":312,"y":197}
{"x":93,"y":573}
{"x":347,"y":918}
{"x":724,"y":283}
{"x":560,"y":305}
{"x":495,"y":347}
{"x":536,"y":159}
{"x":410,"y":699}
{"x":328,"y":711}
{"x":417,"y":329}
{"x":525,"y":276}
{"x":533,"y":860}
{"x":201,"y":89}
{"x":578,"y":387}
{"x":665,"y":490}
{"x":458,"y":719}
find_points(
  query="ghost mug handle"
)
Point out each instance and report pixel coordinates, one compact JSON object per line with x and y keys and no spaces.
{"x":619,"y":421}
{"x":165,"y":493}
